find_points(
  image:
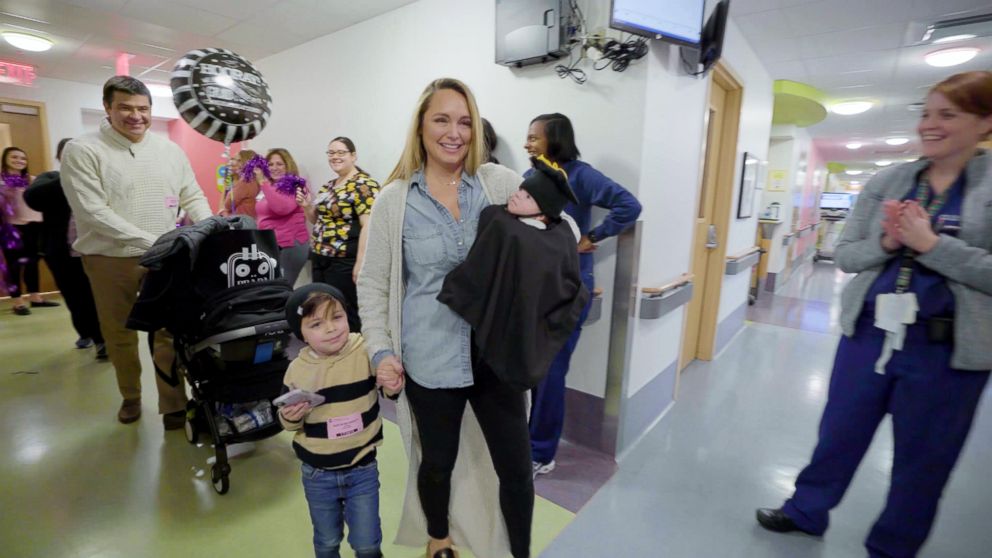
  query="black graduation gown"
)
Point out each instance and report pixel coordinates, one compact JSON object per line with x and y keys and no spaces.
{"x":521,"y":291}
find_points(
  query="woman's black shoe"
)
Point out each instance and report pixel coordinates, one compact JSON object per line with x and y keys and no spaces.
{"x":44,"y":304}
{"x":776,"y":520}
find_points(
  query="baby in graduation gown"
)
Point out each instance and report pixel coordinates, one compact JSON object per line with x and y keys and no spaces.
{"x":519,"y":287}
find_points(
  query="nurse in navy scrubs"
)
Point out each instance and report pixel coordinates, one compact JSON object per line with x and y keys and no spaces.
{"x":917,"y":323}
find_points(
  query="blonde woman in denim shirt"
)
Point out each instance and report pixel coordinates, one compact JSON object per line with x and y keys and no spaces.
{"x":422,"y":226}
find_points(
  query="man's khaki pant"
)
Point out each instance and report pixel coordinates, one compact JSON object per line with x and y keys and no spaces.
{"x":116,"y":282}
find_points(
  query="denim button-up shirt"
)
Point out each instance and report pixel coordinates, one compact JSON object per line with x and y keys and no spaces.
{"x":437,"y":343}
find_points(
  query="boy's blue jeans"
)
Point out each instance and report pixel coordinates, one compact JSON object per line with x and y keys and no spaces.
{"x":337,"y":497}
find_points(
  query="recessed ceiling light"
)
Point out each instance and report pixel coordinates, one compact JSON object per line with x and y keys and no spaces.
{"x":854,"y":183}
{"x":950,"y":56}
{"x":897,"y":141}
{"x":24,"y":41}
{"x":953,"y":38}
{"x":853,"y":172}
{"x":159,"y":89}
{"x":854,"y":145}
{"x":851,"y":107}
{"x":883,"y":163}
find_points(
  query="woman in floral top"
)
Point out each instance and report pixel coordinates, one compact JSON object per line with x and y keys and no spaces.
{"x":340,"y":212}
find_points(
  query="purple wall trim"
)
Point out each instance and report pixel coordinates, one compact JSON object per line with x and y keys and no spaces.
{"x":644,"y":407}
{"x":729,"y":327}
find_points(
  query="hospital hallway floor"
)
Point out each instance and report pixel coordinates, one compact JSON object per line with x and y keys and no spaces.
{"x":75,"y":483}
{"x":742,"y":428}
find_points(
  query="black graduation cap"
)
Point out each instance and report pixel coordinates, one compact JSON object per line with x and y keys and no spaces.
{"x":548,"y":185}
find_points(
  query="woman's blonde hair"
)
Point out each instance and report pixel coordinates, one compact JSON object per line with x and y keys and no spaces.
{"x":291,"y":167}
{"x":414,"y":155}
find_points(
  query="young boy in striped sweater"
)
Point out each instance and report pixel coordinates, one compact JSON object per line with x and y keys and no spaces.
{"x":336,"y":440}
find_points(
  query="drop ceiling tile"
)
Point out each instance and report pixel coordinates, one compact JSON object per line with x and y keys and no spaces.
{"x":793,"y":70}
{"x":825,"y":16}
{"x":861,"y":41}
{"x":237,"y":9}
{"x":743,"y":7}
{"x":770,"y":23}
{"x":185,"y":18}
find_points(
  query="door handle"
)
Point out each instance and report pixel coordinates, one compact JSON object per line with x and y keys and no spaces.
{"x":711,"y":242}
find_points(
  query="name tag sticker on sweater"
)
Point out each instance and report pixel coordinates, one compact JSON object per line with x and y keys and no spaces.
{"x":171,"y":201}
{"x":342,"y":427}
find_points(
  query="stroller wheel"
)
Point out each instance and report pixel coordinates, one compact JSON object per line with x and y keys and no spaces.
{"x":191,"y":428}
{"x":192,"y":434}
{"x":219,"y":476}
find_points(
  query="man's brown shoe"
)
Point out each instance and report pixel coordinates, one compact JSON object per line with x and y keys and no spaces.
{"x":130,"y":411}
{"x":174,"y":421}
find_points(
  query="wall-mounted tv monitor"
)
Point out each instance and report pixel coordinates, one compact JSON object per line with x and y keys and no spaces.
{"x":675,"y":21}
{"x":711,"y":41}
{"x":835,"y":200}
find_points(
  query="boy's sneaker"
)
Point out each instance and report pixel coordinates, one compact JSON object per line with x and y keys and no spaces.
{"x":84,"y":343}
{"x":101,"y":351}
{"x":543,"y":468}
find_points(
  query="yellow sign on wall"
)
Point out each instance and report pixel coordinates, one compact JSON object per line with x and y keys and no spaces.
{"x":777,"y":180}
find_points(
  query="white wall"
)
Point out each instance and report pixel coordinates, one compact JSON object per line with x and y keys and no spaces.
{"x":65,"y":102}
{"x":670,"y":175}
{"x":753,"y":134}
{"x":362,"y":82}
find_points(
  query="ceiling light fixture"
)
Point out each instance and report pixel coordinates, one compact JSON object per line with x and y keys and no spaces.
{"x":897,"y":141}
{"x":883,"y":163}
{"x":852,"y":172}
{"x":24,"y":41}
{"x":950,"y":56}
{"x":851,"y":107}
{"x":854,"y":145}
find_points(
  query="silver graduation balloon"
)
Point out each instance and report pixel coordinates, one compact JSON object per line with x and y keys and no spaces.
{"x":221,"y":95}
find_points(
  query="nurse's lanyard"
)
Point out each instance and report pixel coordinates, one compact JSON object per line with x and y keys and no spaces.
{"x":933,"y":208}
{"x":895,"y":311}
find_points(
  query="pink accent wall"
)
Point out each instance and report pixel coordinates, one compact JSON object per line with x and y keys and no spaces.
{"x":205,"y":155}
{"x":809,"y":208}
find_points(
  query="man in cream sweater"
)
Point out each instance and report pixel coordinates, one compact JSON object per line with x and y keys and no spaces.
{"x":126,"y":188}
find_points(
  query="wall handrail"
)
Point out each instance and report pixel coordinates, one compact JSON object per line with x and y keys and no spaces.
{"x":681,"y":280}
{"x":744,"y":254}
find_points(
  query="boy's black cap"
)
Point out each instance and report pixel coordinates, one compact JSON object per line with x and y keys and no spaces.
{"x":294,"y":306}
{"x":548,"y":185}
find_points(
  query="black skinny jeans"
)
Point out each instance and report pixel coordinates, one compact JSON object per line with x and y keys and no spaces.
{"x":503,"y":418}
{"x":336,"y":272}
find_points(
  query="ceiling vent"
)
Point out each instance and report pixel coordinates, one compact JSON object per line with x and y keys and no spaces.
{"x":960,"y":28}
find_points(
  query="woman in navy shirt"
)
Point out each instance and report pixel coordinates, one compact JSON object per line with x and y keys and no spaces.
{"x":552,"y":135}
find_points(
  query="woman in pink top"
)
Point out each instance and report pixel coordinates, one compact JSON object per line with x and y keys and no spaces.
{"x":278,"y":211}
{"x":22,"y":256}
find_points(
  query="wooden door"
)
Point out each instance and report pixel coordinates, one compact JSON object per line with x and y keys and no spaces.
{"x":22,"y":124}
{"x":712,"y":217}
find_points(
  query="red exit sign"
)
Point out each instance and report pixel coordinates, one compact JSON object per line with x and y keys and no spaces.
{"x":16,"y":74}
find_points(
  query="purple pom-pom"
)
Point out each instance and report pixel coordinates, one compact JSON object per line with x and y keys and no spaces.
{"x":289,"y":183}
{"x":256,"y":162}
{"x":15,"y":180}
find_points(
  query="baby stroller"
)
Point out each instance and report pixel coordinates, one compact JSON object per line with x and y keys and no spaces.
{"x":221,"y":294}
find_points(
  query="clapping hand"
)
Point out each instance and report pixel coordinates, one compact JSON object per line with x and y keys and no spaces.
{"x":890,"y":225}
{"x":915,"y":229}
